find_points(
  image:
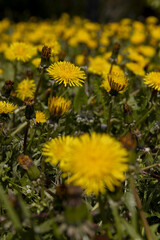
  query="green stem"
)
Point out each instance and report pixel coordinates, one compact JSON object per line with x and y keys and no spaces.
{"x":25,"y":137}
{"x":141,"y":212}
{"x":110,"y":70}
{"x":109,"y":115}
{"x":102,"y":208}
{"x":15,"y":70}
{"x":32,"y":137}
{"x":42,"y":178}
{"x":38,"y":85}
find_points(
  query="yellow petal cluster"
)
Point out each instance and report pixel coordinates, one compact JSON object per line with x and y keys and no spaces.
{"x":26,"y":88}
{"x":20,"y":51}
{"x":40,"y":117}
{"x":152,"y":79}
{"x":7,"y":107}
{"x":91,"y":161}
{"x":66,"y":73}
{"x":115,"y":82}
{"x":55,"y":150}
{"x":58,"y":106}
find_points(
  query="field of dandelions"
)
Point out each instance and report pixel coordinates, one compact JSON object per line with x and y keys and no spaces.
{"x":80,"y":130}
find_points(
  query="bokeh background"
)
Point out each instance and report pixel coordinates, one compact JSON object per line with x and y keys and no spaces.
{"x":95,"y":10}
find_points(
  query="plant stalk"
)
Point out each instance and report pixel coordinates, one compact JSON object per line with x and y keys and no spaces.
{"x":38,"y":85}
{"x":102,"y":208}
{"x":25,"y":137}
{"x":109,"y":116}
{"x":141,"y":212}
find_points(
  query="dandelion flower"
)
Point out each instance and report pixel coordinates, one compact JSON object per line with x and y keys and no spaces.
{"x":55,"y":150}
{"x":6,"y":107}
{"x":66,"y":73}
{"x":58,"y":106}
{"x":26,"y":88}
{"x":152,"y":79}
{"x":115,"y":82}
{"x":95,"y":161}
{"x":36,"y":62}
{"x":98,"y":65}
{"x":135,"y":68}
{"x":20,"y":51}
{"x":40,"y":117}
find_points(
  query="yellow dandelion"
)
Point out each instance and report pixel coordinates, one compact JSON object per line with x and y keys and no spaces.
{"x":135,"y":68}
{"x":20,"y":51}
{"x":26,"y":88}
{"x":7,"y":107}
{"x":36,"y":62}
{"x":40,"y":117}
{"x":152,"y":79}
{"x":151,"y":20}
{"x":1,"y":71}
{"x":115,"y":82}
{"x":146,"y":50}
{"x":55,"y":150}
{"x":138,"y":37}
{"x":80,"y":59}
{"x":58,"y":106}
{"x":95,"y":161}
{"x":98,"y":65}
{"x":66,"y":73}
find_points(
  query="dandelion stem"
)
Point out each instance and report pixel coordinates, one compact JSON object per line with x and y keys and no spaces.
{"x":102,"y":208}
{"x":109,"y":115}
{"x":141,"y":212}
{"x":15,"y":70}
{"x":42,"y":178}
{"x":25,"y":137}
{"x":38,"y":85}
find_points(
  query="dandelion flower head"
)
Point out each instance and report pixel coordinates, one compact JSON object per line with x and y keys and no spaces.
{"x":26,"y":88}
{"x":115,"y":82}
{"x":66,"y":73}
{"x":20,"y":51}
{"x":96,"y":161}
{"x":152,"y":79}
{"x":58,"y":106}
{"x":40,"y":117}
{"x":55,"y":150}
{"x":7,"y":107}
{"x":135,"y":68}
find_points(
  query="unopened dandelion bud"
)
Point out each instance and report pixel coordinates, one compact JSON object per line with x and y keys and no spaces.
{"x":115,"y":52}
{"x":127,"y":109}
{"x":46,"y":52}
{"x":45,"y":56}
{"x":7,"y":88}
{"x":29,"y":113}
